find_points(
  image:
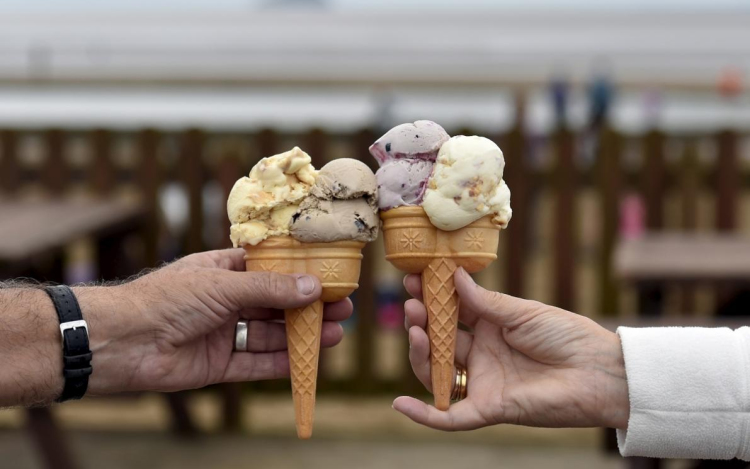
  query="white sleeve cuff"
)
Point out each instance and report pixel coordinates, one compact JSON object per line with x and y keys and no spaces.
{"x":689,"y":393}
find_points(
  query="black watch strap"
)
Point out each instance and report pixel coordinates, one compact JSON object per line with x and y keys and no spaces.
{"x":75,"y":342}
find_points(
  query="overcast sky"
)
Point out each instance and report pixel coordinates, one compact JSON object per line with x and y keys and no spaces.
{"x":68,"y":5}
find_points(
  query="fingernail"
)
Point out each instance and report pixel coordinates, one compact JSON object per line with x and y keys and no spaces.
{"x":305,"y":284}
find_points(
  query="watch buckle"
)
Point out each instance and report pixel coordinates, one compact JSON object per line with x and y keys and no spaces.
{"x":73,"y":325}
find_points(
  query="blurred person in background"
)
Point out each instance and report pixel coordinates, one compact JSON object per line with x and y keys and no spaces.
{"x":670,"y":392}
{"x":169,"y":330}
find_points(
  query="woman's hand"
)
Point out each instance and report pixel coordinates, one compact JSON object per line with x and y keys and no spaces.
{"x":527,"y":364}
{"x":174,"y":328}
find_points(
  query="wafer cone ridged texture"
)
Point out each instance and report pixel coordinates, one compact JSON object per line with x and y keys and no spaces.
{"x":414,"y":245}
{"x":337,"y":265}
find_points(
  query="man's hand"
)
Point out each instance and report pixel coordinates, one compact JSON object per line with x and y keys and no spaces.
{"x":174,"y":328}
{"x":527,"y":364}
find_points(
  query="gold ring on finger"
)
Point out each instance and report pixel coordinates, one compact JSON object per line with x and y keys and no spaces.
{"x":459,"y":385}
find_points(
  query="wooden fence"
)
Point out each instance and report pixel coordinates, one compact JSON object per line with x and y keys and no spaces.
{"x":660,"y":168}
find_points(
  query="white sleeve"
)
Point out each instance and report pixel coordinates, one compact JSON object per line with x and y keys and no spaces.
{"x":689,"y":392}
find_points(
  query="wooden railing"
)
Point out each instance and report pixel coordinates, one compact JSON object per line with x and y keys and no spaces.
{"x":679,"y":171}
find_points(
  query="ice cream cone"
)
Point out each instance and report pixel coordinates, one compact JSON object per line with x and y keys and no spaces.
{"x":337,"y":265}
{"x":414,"y":245}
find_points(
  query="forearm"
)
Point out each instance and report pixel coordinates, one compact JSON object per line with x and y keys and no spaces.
{"x":31,"y":348}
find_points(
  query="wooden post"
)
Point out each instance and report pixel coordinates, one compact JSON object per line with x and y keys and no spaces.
{"x":49,"y":439}
{"x":651,"y":296}
{"x":267,"y":142}
{"x":517,"y":177}
{"x":10,"y":172}
{"x":316,"y":145}
{"x":654,"y":179}
{"x":727,"y":182}
{"x":55,"y":172}
{"x":182,"y":421}
{"x":192,"y":175}
{"x":366,"y":295}
{"x":228,"y":169}
{"x":609,"y":189}
{"x":690,"y":185}
{"x":727,"y":195}
{"x":113,"y":264}
{"x":565,"y":220}
{"x":103,"y":170}
{"x":232,"y":407}
{"x":150,"y":179}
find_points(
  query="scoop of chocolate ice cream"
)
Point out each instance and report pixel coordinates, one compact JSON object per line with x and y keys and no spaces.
{"x":342,"y":205}
{"x":324,"y":221}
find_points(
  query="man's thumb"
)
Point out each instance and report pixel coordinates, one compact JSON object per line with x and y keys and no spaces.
{"x":270,"y":289}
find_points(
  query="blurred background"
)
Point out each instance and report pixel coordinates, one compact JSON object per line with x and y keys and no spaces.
{"x":124,"y":125}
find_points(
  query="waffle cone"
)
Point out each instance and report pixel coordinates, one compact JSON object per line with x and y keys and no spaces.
{"x":414,"y":245}
{"x":337,"y":266}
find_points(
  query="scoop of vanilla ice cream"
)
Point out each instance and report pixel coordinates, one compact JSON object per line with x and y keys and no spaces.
{"x":467,"y":184}
{"x":250,"y":232}
{"x":263,"y":203}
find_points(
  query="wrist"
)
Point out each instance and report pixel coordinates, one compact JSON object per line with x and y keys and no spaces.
{"x":614,"y":398}
{"x":115,"y":327}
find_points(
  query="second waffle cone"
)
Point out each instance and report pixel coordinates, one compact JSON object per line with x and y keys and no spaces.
{"x":441,"y":301}
{"x":414,"y":245}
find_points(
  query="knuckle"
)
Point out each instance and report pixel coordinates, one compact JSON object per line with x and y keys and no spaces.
{"x":264,"y":284}
{"x":274,"y":288}
{"x":280,"y":284}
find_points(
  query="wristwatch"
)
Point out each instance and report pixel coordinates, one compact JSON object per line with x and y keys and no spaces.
{"x":75,"y":343}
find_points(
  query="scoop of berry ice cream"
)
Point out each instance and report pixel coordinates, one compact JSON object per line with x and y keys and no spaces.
{"x":406,"y":155}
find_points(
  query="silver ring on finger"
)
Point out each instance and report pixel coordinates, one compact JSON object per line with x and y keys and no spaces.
{"x":240,"y":336}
